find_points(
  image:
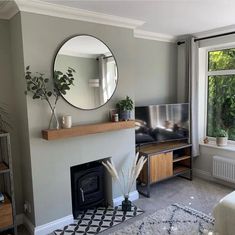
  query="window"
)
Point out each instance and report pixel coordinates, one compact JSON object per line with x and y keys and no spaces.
{"x":221,"y":92}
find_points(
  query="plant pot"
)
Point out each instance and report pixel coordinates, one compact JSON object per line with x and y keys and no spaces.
{"x":125,"y":115}
{"x":126,"y":204}
{"x":221,"y":141}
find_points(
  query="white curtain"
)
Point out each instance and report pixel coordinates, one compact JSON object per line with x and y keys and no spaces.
{"x":187,"y":87}
{"x":102,"y":77}
{"x":108,"y":77}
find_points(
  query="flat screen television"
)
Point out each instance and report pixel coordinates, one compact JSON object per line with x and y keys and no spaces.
{"x":160,"y":123}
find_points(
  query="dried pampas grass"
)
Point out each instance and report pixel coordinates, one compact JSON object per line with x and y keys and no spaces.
{"x":132,"y":173}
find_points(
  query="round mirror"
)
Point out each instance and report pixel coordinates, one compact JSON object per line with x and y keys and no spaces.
{"x":96,"y":75}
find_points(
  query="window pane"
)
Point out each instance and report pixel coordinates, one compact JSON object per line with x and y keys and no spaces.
{"x":221,"y":60}
{"x":221,"y":105}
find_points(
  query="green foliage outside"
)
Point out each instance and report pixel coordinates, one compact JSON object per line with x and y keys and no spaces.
{"x":221,"y":60}
{"x":221,"y":94}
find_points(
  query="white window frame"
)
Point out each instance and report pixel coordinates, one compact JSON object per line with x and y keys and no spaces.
{"x":214,"y":73}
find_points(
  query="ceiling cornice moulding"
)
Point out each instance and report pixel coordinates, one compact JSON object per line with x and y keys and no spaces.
{"x":50,"y":9}
{"x":154,"y":36}
{"x":8,"y":9}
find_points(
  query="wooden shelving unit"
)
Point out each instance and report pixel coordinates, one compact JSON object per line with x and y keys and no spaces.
{"x":82,"y":130}
{"x":179,"y":169}
{"x":6,"y":213}
{"x":7,"y":207}
{"x":164,"y":160}
{"x":181,"y":158}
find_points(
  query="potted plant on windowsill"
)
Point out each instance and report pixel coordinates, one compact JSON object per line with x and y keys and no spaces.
{"x":125,"y":107}
{"x":221,"y":137}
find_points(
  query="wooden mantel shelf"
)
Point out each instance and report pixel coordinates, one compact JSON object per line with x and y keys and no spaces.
{"x":86,"y":130}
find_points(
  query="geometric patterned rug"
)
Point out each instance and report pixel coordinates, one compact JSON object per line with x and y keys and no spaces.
{"x":176,"y":219}
{"x":93,"y":221}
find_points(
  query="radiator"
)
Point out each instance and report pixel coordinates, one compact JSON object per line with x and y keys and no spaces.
{"x":224,"y":168}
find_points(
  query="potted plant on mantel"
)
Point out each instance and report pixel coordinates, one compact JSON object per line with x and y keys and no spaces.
{"x":39,"y":87}
{"x":125,"y":107}
{"x":221,"y":137}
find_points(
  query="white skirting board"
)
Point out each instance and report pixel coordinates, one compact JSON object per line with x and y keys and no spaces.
{"x":44,"y":229}
{"x":60,"y":223}
{"x":208,"y":176}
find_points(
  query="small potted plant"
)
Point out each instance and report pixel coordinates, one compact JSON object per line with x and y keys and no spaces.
{"x":221,"y":137}
{"x":125,"y":107}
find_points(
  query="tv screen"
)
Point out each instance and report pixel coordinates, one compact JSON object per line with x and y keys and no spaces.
{"x":159,"y":123}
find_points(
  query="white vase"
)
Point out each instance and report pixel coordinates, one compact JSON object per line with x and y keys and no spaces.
{"x":221,"y":141}
{"x":66,"y":121}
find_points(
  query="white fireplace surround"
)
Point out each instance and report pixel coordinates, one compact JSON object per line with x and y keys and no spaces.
{"x":59,"y":223}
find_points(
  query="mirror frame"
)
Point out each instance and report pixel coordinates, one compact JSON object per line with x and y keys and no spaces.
{"x":56,"y":53}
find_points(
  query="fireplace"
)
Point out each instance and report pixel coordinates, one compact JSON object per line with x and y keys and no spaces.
{"x":87,"y":181}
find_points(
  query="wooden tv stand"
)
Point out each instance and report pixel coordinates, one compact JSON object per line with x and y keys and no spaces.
{"x":164,"y":160}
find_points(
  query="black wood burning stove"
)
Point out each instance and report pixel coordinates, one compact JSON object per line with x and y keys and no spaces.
{"x":87,"y":182}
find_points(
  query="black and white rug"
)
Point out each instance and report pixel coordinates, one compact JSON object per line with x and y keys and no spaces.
{"x":174,"y":220}
{"x":97,"y":220}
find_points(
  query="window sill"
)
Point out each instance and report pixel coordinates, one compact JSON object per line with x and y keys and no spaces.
{"x":212,"y":144}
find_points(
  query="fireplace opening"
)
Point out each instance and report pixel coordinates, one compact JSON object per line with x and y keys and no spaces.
{"x":87,"y":182}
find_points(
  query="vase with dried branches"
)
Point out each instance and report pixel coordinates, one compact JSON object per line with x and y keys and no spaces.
{"x":127,"y":182}
{"x":39,"y":87}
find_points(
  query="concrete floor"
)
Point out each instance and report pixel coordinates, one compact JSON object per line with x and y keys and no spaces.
{"x":198,"y":194}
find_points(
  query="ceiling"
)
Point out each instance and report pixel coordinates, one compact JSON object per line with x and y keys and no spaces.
{"x":167,"y":17}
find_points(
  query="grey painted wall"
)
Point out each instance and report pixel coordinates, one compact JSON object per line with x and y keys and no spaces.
{"x":155,"y":74}
{"x":21,"y":111}
{"x":51,"y":161}
{"x":7,"y":98}
{"x":147,"y":71}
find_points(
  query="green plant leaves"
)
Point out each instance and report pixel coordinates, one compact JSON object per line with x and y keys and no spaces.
{"x":39,"y":87}
{"x":63,"y":81}
{"x":125,"y":104}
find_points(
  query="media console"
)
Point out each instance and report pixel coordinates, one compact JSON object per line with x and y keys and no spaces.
{"x":164,"y":160}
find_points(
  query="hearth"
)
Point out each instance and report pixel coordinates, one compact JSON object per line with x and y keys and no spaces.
{"x":87,"y":181}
